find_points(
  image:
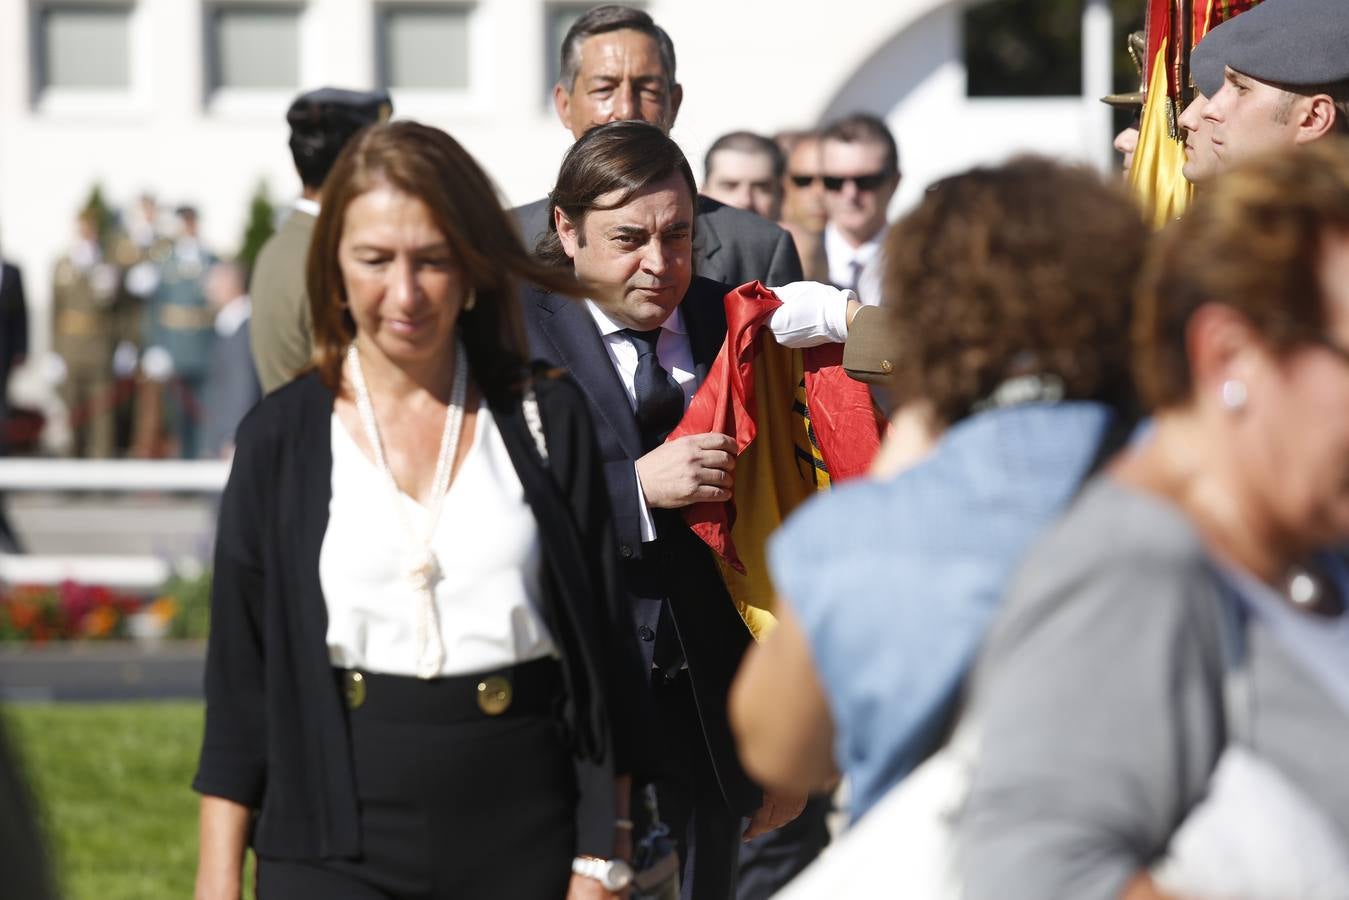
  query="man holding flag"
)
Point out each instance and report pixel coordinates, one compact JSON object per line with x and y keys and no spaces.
{"x":1173,"y":28}
{"x":622,"y":217}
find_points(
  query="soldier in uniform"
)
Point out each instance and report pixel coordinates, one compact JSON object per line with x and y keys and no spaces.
{"x":141,"y":248}
{"x":321,"y":122}
{"x":178,"y":330}
{"x":84,"y":294}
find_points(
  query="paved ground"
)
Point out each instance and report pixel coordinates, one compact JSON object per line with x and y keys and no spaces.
{"x":154,"y":524}
{"x":92,"y":671}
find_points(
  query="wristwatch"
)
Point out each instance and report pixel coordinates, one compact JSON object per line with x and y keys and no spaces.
{"x":613,"y":874}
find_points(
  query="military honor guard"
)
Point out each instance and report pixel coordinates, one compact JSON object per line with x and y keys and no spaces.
{"x":179,"y":326}
{"x":84,"y":310}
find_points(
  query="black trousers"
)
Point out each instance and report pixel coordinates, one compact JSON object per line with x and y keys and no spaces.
{"x":771,"y":860}
{"x":705,"y":830}
{"x":454,"y":804}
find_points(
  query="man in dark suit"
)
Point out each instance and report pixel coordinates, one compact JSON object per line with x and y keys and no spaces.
{"x":623,"y":213}
{"x":231,"y":387}
{"x":13,"y":330}
{"x":618,"y":64}
{"x":13,"y":350}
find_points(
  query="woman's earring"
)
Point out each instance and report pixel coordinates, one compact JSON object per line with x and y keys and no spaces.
{"x":1234,"y":395}
{"x":470,"y":300}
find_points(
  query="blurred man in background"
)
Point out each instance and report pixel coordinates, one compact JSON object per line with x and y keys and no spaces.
{"x":177,"y":338}
{"x":321,"y":123}
{"x":859,"y":161}
{"x":13,"y":351}
{"x":84,"y":330}
{"x":231,"y":383}
{"x":803,"y":212}
{"x":744,"y":170}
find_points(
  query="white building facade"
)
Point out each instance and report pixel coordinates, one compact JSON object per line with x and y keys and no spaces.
{"x":186,"y":98}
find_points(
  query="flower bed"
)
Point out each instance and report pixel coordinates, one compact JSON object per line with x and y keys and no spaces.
{"x":72,"y":611}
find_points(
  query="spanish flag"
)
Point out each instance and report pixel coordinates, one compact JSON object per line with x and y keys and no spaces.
{"x":1174,"y":27}
{"x":800,"y":424}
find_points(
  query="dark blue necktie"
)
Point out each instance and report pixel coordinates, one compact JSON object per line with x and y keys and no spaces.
{"x":660,"y":400}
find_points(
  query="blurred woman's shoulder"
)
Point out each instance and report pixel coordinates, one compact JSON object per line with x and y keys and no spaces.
{"x":1119,"y":555}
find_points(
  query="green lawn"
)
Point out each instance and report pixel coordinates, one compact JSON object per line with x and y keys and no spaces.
{"x":111,"y":782}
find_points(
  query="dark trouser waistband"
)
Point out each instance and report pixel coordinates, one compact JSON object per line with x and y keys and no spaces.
{"x":528,"y":689}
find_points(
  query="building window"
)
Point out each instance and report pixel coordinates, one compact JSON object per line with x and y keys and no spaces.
{"x":253,"y":46}
{"x":1024,"y":48}
{"x":83,"y":46}
{"x":423,"y":47}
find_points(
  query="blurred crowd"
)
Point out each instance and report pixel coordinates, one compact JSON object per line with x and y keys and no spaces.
{"x":149,"y":337}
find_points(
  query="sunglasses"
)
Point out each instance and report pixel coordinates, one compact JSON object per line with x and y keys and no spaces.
{"x":804,"y":181}
{"x":833,"y":183}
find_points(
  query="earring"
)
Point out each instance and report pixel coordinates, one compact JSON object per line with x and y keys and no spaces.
{"x":1233,"y":394}
{"x":470,"y":300}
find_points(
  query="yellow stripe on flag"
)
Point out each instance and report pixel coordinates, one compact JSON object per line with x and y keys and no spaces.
{"x":1156,"y":177}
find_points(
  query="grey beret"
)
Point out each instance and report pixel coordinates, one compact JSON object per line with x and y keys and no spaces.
{"x":1291,"y":42}
{"x":1207,"y":68}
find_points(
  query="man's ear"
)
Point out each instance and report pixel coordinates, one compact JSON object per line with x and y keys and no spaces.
{"x":1318,"y":119}
{"x":676,"y":99}
{"x":567,"y":232}
{"x":562,"y":104}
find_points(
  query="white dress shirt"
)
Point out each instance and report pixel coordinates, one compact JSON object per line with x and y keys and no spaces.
{"x":847,"y":263}
{"x":811,"y":314}
{"x":486,"y":545}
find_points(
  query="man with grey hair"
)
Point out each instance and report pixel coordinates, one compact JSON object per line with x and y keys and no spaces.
{"x":617,"y":64}
{"x":744,"y":170}
{"x":1275,"y":76}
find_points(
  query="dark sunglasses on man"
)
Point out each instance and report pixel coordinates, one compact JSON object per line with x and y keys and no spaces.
{"x":834,"y":183}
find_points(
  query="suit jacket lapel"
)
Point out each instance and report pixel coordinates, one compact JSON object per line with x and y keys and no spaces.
{"x":571,"y":329}
{"x":706,"y":241}
{"x":704,"y":313}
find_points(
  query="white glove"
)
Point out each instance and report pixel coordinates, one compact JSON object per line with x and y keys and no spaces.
{"x":142,"y":279}
{"x":811,"y":314}
{"x":157,"y":364}
{"x":124,"y":359}
{"x":54,"y":369}
{"x":103,"y":279}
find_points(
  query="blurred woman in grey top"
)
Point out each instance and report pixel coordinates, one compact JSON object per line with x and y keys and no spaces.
{"x":1099,"y":703}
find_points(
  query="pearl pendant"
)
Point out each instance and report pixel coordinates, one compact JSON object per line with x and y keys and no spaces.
{"x":422,"y":570}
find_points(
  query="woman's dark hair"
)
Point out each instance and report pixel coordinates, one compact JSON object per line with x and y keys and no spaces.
{"x":618,"y":156}
{"x":428,"y":164}
{"x":1023,"y":269}
{"x":1252,"y":241}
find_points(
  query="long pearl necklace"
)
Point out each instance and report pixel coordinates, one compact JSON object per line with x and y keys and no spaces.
{"x":421,"y":570}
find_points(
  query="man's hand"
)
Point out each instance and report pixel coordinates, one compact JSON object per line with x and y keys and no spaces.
{"x":778,"y":809}
{"x":582,"y":888}
{"x":692,"y":469}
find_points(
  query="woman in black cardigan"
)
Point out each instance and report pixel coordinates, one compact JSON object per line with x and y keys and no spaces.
{"x":402,"y":703}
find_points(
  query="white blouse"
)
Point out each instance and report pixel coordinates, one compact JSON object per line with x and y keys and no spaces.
{"x":486,"y":544}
